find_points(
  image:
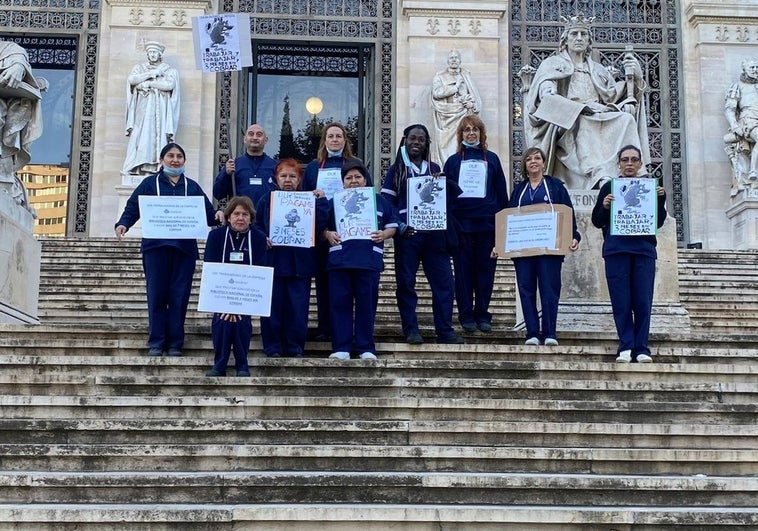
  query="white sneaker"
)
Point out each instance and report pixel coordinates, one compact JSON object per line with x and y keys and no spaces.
{"x":534,"y":341}
{"x":644,"y":358}
{"x":551,"y":342}
{"x":625,"y":356}
{"x":368,"y":356}
{"x":340,"y":355}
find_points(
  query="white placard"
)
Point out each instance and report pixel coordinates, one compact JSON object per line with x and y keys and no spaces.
{"x":531,"y":231}
{"x":293,"y":219}
{"x":330,"y":181}
{"x":173,"y":217}
{"x":222,"y":42}
{"x":472,"y":178}
{"x":427,"y":203}
{"x":634,"y":209}
{"x":235,"y":288}
{"x":355,"y":213}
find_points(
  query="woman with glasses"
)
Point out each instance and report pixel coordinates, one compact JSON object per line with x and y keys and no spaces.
{"x":479,"y":174}
{"x":629,"y":267}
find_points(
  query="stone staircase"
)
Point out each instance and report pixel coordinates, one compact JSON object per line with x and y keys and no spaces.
{"x":484,"y":436}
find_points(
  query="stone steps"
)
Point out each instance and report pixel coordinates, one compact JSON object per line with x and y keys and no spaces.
{"x":373,"y":517}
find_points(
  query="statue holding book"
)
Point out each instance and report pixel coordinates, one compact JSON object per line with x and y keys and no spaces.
{"x":579,"y":114}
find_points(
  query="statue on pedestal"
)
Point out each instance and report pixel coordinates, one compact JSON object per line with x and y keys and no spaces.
{"x":578,"y":113}
{"x":741,"y":111}
{"x":152,"y":111}
{"x":20,"y":117}
{"x":453,"y":97}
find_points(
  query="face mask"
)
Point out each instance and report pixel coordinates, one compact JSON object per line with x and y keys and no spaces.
{"x":404,"y":154}
{"x":334,"y":153}
{"x":173,"y":172}
{"x":469,"y":144}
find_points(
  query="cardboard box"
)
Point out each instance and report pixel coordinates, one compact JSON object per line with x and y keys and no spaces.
{"x":564,"y":230}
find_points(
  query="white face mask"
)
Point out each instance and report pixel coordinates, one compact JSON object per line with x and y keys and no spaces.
{"x":173,"y":172}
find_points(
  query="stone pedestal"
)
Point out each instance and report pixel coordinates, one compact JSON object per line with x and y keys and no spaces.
{"x":585,"y":304}
{"x":743,"y":218}
{"x":20,"y":256}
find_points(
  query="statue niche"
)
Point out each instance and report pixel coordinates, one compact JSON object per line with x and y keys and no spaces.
{"x":741,"y":111}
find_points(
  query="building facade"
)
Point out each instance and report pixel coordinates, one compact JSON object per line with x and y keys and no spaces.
{"x":371,"y":63}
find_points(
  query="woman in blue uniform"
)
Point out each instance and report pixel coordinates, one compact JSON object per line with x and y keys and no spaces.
{"x":354,"y":267}
{"x":414,"y":247}
{"x":479,"y":174}
{"x":169,"y":264}
{"x":237,"y":243}
{"x":545,"y":270}
{"x":284,"y":332}
{"x":324,"y":174}
{"x":629,"y":267}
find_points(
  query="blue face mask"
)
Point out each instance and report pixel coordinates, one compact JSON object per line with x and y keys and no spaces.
{"x":334,"y":153}
{"x":469,"y":144}
{"x":173,"y":172}
{"x":404,"y":154}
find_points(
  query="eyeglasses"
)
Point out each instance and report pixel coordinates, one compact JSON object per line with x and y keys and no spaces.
{"x":629,"y":159}
{"x":471,"y":130}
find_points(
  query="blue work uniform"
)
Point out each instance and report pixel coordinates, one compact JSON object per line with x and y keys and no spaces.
{"x":284,"y":332}
{"x":542,"y":271}
{"x":227,"y":246}
{"x":310,"y":182}
{"x":630,"y":274}
{"x":169,"y":264}
{"x":428,"y":248}
{"x":474,"y":266}
{"x":253,"y":177}
{"x":354,"y":267}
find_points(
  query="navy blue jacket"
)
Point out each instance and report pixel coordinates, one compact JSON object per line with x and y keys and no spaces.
{"x":361,"y":254}
{"x":558,"y":195}
{"x":253,"y":177}
{"x":310,"y":178}
{"x":614,"y":244}
{"x":478,"y":214}
{"x":214,"y":246}
{"x":131,"y":213}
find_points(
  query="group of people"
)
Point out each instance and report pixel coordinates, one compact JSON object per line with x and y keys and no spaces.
{"x":347,"y":270}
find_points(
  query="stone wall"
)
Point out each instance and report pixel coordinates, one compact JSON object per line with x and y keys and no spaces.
{"x":19,"y":264}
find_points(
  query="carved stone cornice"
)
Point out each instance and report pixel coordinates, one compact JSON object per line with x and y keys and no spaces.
{"x":462,"y":9}
{"x":166,"y":4}
{"x":729,"y":12}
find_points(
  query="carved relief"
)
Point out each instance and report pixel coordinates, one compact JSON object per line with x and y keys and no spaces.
{"x":433,"y":26}
{"x":136,"y":16}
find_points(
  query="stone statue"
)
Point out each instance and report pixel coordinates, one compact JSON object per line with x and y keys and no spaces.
{"x":453,"y":97}
{"x":152,"y":111}
{"x":578,"y":113}
{"x":20,"y":117}
{"x":741,"y":111}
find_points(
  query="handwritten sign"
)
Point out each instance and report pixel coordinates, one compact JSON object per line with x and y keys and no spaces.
{"x":472,"y":178}
{"x":355,"y":213}
{"x":173,"y":217}
{"x":235,"y":288}
{"x":330,"y":181}
{"x":634,"y":209}
{"x":222,"y":42}
{"x":427,"y":203}
{"x":293,"y":219}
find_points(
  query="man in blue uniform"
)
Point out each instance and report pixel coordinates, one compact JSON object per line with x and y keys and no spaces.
{"x":251,"y":174}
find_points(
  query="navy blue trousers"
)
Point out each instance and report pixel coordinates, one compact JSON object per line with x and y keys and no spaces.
{"x":227,"y":335}
{"x":428,"y":249}
{"x":543,"y":272}
{"x":474,"y":276}
{"x":354,"y":294}
{"x":284,"y":332}
{"x":168,"y":278}
{"x":631,"y":281}
{"x":323,"y":310}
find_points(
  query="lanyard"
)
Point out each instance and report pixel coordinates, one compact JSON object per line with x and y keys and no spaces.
{"x":228,"y":238}
{"x":158,"y":188}
{"x":531,"y":194}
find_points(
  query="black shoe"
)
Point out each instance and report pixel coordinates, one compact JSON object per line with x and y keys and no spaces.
{"x":295,"y":355}
{"x":274,"y":355}
{"x":322,"y":337}
{"x":174,"y":352}
{"x":484,"y":326}
{"x":451,"y":339}
{"x":214,"y":372}
{"x":414,"y":338}
{"x":469,"y":327}
{"x":243,"y":373}
{"x":155,"y":352}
